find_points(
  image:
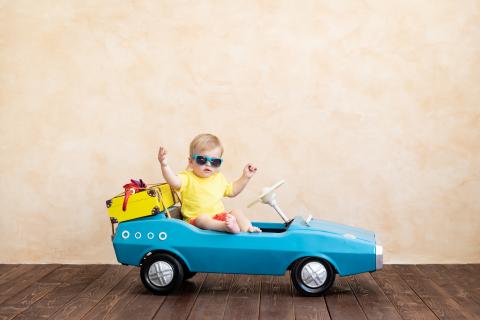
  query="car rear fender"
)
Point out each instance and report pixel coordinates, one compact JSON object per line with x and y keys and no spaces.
{"x":175,"y":254}
{"x":321,"y":256}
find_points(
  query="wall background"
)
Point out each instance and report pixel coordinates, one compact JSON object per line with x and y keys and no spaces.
{"x":369,"y":110}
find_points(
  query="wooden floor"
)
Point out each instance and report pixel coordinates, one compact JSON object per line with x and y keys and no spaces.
{"x":116,"y":292}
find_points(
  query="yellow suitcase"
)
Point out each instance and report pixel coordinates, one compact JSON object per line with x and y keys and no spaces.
{"x":151,"y":201}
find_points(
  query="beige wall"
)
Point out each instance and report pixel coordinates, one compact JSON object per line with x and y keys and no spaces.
{"x":370,"y":110}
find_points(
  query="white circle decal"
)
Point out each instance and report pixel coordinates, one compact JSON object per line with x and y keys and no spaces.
{"x":150,"y":235}
{"x":125,"y":234}
{"x":162,"y":236}
{"x":138,"y":235}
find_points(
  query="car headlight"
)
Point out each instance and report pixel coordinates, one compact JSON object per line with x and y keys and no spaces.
{"x":379,"y":257}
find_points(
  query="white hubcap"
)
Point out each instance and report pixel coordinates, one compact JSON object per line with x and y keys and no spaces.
{"x":314,"y":274}
{"x":160,"y":273}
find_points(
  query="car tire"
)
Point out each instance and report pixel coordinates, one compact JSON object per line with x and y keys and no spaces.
{"x":161,"y":273}
{"x":188,"y":275}
{"x":312,"y":276}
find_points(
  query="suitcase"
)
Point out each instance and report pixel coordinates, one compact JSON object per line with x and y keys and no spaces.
{"x":151,"y":201}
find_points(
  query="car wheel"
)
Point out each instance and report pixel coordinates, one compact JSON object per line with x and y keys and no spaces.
{"x":161,"y":273}
{"x":188,"y":275}
{"x":312,"y":276}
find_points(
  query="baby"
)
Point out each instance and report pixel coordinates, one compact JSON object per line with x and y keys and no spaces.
{"x":202,"y":187}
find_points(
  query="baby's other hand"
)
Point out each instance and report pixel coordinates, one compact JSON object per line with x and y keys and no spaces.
{"x":162,"y":156}
{"x":249,"y":170}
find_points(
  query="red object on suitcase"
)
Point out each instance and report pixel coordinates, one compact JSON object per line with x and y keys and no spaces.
{"x":130,"y":188}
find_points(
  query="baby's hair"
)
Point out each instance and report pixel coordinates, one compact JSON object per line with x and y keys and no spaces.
{"x":205,"y":141}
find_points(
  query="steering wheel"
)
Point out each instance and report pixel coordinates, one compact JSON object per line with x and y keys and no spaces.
{"x":266,"y":194}
{"x":269,"y":197}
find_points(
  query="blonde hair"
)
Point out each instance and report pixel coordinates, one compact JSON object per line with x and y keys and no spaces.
{"x":205,"y":141}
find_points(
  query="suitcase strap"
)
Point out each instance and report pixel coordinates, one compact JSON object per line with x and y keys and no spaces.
{"x":163,"y":203}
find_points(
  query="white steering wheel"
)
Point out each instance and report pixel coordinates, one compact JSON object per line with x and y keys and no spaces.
{"x":269,"y":197}
{"x":266,"y":194}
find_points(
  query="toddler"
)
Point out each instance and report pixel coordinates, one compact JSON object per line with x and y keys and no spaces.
{"x":202,"y":187}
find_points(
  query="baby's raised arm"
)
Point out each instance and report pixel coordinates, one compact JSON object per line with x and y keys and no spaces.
{"x":172,"y":179}
{"x":240,"y":184}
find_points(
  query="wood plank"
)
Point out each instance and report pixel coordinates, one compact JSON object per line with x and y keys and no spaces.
{"x":408,"y":304}
{"x":25,"y":279}
{"x":465,"y":289}
{"x":341,"y":301}
{"x":25,"y":298}
{"x":89,"y":297}
{"x":468,"y":274}
{"x":276,"y":300}
{"x":467,"y":277}
{"x":94,"y":292}
{"x":119,"y":296}
{"x":440,"y":275}
{"x":212,"y":299}
{"x":6,"y":268}
{"x":15,"y":273}
{"x":57,"y":298}
{"x":460,"y":274}
{"x":244,"y":299}
{"x":144,"y":305}
{"x":371,"y":298}
{"x":473,"y":271}
{"x":137,"y":302}
{"x":476,"y":268}
{"x":310,"y":308}
{"x":436,"y":298}
{"x":179,"y":304}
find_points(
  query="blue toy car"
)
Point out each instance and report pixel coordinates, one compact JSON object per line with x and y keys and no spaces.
{"x":170,"y":250}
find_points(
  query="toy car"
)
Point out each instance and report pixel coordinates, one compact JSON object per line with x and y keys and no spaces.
{"x":170,"y":250}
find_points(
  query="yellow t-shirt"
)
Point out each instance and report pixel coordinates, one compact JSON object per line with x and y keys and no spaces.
{"x":203,"y":195}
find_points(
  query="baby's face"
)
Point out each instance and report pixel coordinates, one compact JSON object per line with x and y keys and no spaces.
{"x":206,"y":170}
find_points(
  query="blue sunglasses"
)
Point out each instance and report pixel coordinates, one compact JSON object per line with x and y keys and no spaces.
{"x":202,"y":160}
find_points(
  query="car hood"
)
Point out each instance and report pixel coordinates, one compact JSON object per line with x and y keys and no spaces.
{"x":334,"y":228}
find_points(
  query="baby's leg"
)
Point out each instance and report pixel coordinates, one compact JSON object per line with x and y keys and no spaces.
{"x":204,"y":221}
{"x":243,"y":222}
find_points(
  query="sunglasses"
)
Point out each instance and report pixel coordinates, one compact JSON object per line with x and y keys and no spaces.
{"x":202,"y":160}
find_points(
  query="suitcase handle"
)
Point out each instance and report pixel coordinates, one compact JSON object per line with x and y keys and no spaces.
{"x":130,"y":188}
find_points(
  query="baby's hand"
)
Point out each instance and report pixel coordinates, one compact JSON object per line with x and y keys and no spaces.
{"x":249,"y":170}
{"x":162,"y":156}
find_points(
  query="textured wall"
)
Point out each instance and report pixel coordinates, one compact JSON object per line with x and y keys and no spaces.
{"x":370,"y":110}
